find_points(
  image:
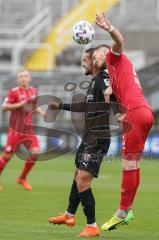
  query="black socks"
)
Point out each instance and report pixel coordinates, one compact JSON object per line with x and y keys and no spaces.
{"x":88,"y":204}
{"x":87,"y":200}
{"x":74,"y":199}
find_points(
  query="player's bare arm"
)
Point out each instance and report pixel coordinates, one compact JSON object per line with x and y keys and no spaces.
{"x":118,"y":39}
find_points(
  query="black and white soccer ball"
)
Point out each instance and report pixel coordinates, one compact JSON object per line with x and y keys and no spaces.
{"x":83,"y":32}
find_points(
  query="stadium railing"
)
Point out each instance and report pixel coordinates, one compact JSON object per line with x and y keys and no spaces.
{"x":19,"y":52}
{"x":26,"y":38}
{"x":60,"y":35}
{"x":40,"y":22}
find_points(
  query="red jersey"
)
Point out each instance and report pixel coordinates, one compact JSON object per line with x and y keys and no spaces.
{"x":21,"y":117}
{"x":124,"y":81}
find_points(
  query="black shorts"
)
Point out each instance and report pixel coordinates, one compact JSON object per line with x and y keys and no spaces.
{"x":89,"y":158}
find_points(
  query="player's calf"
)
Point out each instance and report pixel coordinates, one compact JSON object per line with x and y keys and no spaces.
{"x":4,"y":160}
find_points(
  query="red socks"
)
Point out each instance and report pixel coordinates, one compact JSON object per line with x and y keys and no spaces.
{"x":3,"y":163}
{"x":137,"y":185}
{"x":28,"y":166}
{"x":130,"y":183}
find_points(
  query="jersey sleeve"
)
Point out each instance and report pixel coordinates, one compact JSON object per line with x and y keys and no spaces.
{"x":78,"y":104}
{"x":113,"y":57}
{"x":74,"y":107}
{"x":104,"y":82}
{"x":11,"y":97}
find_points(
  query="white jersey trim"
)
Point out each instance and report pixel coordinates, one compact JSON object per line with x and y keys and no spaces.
{"x":14,"y":89}
{"x":115,"y":53}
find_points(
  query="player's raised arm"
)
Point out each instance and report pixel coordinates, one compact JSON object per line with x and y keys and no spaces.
{"x":118,"y":39}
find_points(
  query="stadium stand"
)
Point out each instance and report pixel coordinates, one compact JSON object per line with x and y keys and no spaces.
{"x":22,"y":25}
{"x":134,"y":24}
{"x":124,"y":14}
{"x":60,"y":35}
{"x":30,"y":23}
{"x":133,"y":15}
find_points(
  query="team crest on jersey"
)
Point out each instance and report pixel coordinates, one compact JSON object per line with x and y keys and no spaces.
{"x":106,"y":79}
{"x":107,"y":82}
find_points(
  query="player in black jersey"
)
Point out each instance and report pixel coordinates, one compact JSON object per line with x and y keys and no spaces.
{"x":94,"y":146}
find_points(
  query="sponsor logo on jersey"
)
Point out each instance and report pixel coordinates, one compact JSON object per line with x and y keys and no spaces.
{"x":89,"y":98}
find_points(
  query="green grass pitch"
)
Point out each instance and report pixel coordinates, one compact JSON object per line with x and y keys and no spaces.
{"x":23,"y":215}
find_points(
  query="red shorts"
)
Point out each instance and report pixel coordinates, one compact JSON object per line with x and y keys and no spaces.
{"x":15,"y":139}
{"x":141,"y":120}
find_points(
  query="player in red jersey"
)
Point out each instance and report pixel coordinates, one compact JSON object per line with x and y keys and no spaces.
{"x":17,"y":102}
{"x":126,"y":87}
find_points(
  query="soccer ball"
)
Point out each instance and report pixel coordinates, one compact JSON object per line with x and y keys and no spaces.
{"x":83,"y":32}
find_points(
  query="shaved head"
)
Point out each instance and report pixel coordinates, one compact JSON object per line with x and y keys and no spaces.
{"x":99,"y":56}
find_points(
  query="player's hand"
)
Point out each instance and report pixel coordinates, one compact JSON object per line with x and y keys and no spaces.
{"x":103,"y":22}
{"x":120,"y":117}
{"x":107,"y":94}
{"x":54,"y":106}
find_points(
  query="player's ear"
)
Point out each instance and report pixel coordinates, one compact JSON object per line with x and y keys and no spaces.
{"x":95,"y":63}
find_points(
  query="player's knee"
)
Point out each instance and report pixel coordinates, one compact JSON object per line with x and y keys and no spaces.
{"x":8,"y":155}
{"x":83,"y":181}
{"x":82,"y":184}
{"x":128,"y":165}
{"x":35,"y":152}
{"x":75,"y":174}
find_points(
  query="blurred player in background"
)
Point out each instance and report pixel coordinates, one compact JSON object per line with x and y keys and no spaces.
{"x":126,"y":87}
{"x":20,"y":101}
{"x":92,"y":149}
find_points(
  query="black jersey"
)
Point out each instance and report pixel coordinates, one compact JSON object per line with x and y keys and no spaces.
{"x":97,"y":112}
